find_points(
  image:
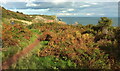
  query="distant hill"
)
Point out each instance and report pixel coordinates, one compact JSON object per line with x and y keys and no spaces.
{"x":19,"y":15}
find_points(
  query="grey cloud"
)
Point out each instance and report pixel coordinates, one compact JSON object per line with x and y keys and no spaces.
{"x":101,"y":8}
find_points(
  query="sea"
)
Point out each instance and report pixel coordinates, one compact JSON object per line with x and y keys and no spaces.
{"x":86,"y":20}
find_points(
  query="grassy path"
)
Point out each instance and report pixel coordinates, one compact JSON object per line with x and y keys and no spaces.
{"x":27,"y":22}
{"x":18,"y":55}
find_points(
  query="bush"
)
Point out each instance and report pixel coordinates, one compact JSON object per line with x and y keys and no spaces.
{"x":12,"y":34}
{"x":49,"y":62}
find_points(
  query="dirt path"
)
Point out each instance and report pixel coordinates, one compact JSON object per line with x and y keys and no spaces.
{"x":27,"y":22}
{"x":15,"y":57}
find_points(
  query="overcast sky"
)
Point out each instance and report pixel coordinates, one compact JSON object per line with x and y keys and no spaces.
{"x":78,"y":8}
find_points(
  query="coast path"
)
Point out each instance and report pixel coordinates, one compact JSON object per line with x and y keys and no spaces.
{"x":23,"y":21}
{"x":18,"y":55}
{"x":37,"y":18}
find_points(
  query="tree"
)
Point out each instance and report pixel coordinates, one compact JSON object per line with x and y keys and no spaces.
{"x":104,"y":24}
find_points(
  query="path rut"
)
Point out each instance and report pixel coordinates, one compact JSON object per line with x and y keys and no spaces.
{"x":18,"y":55}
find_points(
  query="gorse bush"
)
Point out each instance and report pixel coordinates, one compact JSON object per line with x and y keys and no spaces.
{"x":82,"y":56}
{"x":105,"y":22}
{"x":13,"y":33}
{"x":86,"y":46}
{"x":62,"y":46}
{"x":48,"y":62}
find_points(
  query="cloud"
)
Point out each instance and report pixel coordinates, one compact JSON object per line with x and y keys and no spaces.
{"x":17,"y":1}
{"x":58,"y":1}
{"x":32,"y":5}
{"x":94,"y":3}
{"x":64,"y":11}
{"x":32,"y":11}
{"x":66,"y":8}
{"x":50,"y":5}
{"x":70,"y":9}
{"x":66,"y":14}
{"x":75,"y":14}
{"x":89,"y":14}
{"x":85,"y":6}
{"x":101,"y":14}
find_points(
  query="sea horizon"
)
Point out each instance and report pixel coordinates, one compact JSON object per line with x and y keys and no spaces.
{"x":86,"y":20}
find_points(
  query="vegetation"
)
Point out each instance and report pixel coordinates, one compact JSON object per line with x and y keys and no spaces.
{"x":63,"y":46}
{"x":10,"y":14}
{"x":51,"y":17}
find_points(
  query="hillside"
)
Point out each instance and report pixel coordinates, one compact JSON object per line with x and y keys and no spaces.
{"x":17,"y":16}
{"x":50,"y":44}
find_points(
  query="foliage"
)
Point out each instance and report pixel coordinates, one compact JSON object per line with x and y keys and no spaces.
{"x":48,"y":62}
{"x":10,"y":14}
{"x":13,"y":33}
{"x":61,"y":46}
{"x":32,"y":61}
{"x":105,"y":22}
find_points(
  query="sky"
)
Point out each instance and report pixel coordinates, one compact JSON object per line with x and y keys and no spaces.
{"x":65,"y":8}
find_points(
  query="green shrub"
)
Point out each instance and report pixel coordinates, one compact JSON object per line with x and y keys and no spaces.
{"x":49,"y":62}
